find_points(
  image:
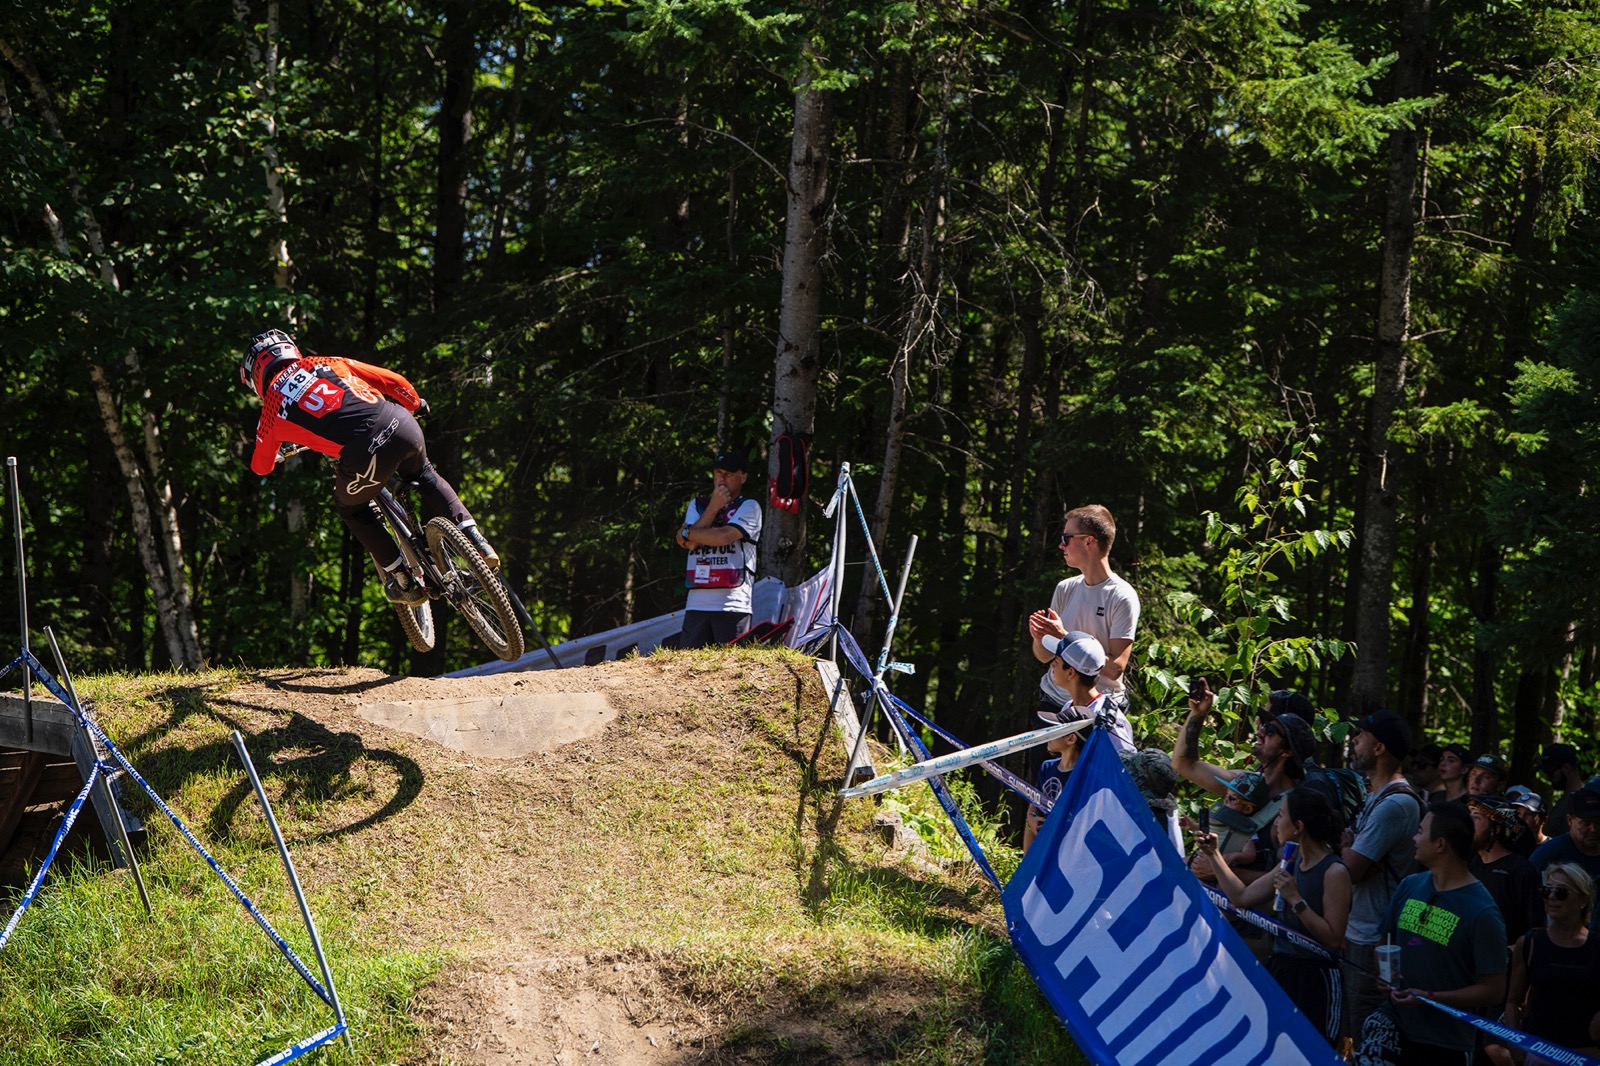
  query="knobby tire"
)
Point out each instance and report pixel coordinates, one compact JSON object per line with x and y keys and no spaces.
{"x":415,"y":622}
{"x":485,"y":605}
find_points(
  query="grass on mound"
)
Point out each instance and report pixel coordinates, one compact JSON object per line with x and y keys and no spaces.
{"x":702,"y":833}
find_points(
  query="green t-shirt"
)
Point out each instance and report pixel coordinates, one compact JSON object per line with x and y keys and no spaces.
{"x":1447,"y":940}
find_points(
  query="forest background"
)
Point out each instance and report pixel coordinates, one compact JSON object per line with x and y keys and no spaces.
{"x":1303,"y":292}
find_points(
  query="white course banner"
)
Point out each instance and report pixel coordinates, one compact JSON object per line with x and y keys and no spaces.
{"x":1135,"y":960}
{"x":957,"y":760}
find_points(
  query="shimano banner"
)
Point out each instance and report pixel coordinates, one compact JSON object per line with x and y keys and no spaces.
{"x":1128,"y":950}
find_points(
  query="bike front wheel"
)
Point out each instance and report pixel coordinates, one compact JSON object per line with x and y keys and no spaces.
{"x":475,"y":590}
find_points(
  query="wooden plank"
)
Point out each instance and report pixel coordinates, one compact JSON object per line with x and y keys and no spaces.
{"x":19,"y":797}
{"x":843,"y":709}
{"x":60,"y":781}
{"x":53,"y":725}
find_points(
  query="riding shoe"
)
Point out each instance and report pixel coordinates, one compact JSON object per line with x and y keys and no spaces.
{"x":404,"y":589}
{"x":490,"y":556}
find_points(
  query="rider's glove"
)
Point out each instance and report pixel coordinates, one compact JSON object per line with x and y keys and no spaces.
{"x":422,"y":408}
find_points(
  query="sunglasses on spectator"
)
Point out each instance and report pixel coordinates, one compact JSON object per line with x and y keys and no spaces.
{"x":1555,"y":892}
{"x":1067,"y":537}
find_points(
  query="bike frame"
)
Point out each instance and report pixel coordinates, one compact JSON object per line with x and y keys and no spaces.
{"x":413,"y":543}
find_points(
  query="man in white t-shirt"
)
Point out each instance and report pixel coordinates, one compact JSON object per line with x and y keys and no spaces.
{"x":720,"y":532}
{"x":1093,"y":601}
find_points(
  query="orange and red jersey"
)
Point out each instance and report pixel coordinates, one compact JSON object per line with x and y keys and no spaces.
{"x":324,"y":403}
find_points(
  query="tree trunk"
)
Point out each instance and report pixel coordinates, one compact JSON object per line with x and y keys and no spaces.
{"x":1380,"y":493}
{"x":1415,"y":657}
{"x":459,"y":54}
{"x":158,"y":534}
{"x":264,"y":58}
{"x":794,"y":393}
{"x":144,"y":527}
{"x":920,"y":319}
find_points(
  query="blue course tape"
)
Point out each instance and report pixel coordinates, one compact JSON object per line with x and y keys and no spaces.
{"x":55,"y":845}
{"x":881,"y":693}
{"x":1543,"y":1048}
{"x":88,"y":723}
{"x":1276,"y":928}
{"x":1516,"y":1038}
{"x":310,"y":1043}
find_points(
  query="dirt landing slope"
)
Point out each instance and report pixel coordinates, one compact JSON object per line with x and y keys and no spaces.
{"x":641,"y":862}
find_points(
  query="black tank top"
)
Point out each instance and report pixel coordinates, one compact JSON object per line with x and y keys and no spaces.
{"x":1309,"y":882}
{"x":1563,"y":989}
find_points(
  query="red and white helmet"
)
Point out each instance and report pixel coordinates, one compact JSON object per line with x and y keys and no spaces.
{"x":267,"y":354}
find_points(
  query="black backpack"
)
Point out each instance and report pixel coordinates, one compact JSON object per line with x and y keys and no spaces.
{"x":1343,"y":788}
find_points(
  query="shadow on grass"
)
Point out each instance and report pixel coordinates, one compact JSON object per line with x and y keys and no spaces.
{"x":826,"y":872}
{"x":318,"y":767}
{"x":987,"y":1009}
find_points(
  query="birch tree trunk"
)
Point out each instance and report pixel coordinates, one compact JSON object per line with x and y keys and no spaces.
{"x":1380,"y":492}
{"x":264,"y":58}
{"x":156,"y":530}
{"x":794,"y":393}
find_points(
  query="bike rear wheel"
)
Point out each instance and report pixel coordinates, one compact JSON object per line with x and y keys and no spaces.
{"x":475,"y":590}
{"x":417,"y":624}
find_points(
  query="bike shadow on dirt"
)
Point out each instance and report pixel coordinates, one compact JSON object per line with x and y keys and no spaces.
{"x":303,"y":758}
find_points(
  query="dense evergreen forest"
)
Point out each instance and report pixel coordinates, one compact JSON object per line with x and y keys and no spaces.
{"x":1316,"y":268}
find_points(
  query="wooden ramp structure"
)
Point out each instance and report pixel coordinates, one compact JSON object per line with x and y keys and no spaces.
{"x":45,"y":757}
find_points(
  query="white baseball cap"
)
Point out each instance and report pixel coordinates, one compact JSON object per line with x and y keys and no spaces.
{"x":1078,"y":650}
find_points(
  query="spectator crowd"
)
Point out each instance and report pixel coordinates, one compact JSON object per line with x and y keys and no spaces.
{"x":1421,"y":879}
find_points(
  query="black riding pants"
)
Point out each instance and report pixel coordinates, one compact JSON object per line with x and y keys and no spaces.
{"x":394,"y":446}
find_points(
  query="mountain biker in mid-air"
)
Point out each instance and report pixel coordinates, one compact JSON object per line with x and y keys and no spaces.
{"x":361,"y":416}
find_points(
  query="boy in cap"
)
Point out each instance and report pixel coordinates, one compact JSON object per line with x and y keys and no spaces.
{"x":1509,"y":877}
{"x":1238,"y":818}
{"x":1487,"y":776}
{"x":720,"y":532}
{"x":1378,"y":850}
{"x":1076,"y":663}
{"x":1053,"y":774}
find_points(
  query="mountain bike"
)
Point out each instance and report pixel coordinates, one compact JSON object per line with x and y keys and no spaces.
{"x":444,"y":561}
{"x":449,"y":568}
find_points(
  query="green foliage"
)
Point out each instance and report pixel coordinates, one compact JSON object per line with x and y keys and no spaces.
{"x":1247,"y":639}
{"x":920,"y":812}
{"x":1152,"y":245}
{"x":1543,"y":504}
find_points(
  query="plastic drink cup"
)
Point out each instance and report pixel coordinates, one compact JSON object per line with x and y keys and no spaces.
{"x":1389,"y":963}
